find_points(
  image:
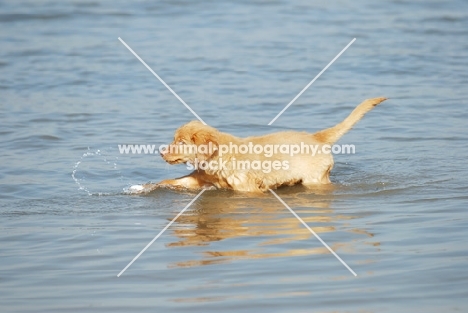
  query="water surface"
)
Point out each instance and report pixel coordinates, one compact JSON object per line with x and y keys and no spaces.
{"x":71,"y":92}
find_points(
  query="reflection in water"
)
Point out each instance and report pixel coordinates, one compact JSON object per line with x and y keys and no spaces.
{"x":232,"y":217}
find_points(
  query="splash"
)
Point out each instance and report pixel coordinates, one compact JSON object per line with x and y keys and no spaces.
{"x":110,"y":163}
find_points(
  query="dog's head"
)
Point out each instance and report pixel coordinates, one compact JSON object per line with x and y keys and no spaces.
{"x":192,"y":141}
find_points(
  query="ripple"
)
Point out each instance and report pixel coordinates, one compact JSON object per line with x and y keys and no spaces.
{"x":20,"y":17}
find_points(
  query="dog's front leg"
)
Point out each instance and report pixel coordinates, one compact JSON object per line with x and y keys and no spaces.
{"x":192,"y":181}
{"x":186,"y":182}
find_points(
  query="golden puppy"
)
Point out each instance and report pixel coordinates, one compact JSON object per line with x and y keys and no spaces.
{"x":254,"y":164}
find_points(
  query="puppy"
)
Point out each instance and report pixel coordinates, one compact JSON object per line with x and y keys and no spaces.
{"x":254,"y":164}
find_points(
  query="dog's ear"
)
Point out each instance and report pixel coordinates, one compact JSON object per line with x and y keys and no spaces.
{"x":207,"y":144}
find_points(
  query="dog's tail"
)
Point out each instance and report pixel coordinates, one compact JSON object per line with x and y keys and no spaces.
{"x":332,"y":134}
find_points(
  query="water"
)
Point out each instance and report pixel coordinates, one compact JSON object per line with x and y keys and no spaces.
{"x":71,"y":92}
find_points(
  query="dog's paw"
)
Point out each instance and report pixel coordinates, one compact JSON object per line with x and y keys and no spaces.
{"x":136,"y":189}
